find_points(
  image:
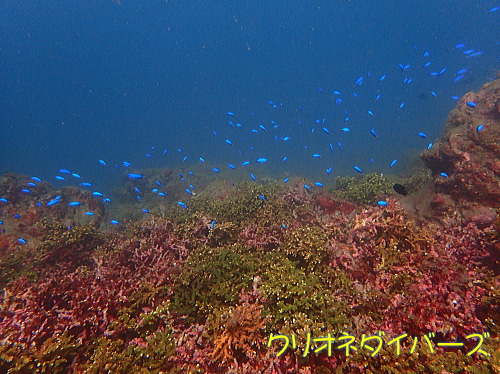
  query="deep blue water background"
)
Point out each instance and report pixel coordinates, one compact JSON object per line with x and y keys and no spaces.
{"x":87,"y":80}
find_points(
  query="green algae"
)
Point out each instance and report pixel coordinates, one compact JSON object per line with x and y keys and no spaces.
{"x":213,"y":278}
{"x":298,"y":301}
{"x":364,"y":190}
{"x":306,"y":244}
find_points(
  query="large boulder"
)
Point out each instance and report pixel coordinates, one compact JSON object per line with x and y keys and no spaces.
{"x":465,"y":161}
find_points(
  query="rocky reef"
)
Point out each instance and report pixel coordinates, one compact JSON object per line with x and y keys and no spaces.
{"x":465,"y":161}
{"x":264,"y":277}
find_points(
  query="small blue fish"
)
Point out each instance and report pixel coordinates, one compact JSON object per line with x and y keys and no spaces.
{"x":326,"y":130}
{"x":64,"y":171}
{"x":316,"y":155}
{"x":95,"y":193}
{"x":114,"y":222}
{"x":126,"y":164}
{"x":212,"y":224}
{"x":230,"y":113}
{"x":103,"y":163}
{"x":253,"y":177}
{"x":285,"y":180}
{"x":135,"y":176}
{"x":76,"y":175}
{"x":307,"y":187}
{"x":229,"y":142}
{"x":231,"y":166}
{"x":262,"y":160}
{"x":393,"y":163}
{"x":215,"y":170}
{"x":59,"y":178}
{"x":382,"y":203}
{"x":358,"y":169}
{"x":370,"y":113}
{"x":284,"y":159}
{"x":422,"y":135}
{"x":319,"y":184}
{"x":21,"y":241}
{"x":4,"y":200}
{"x":89,"y":213}
{"x":346,"y":129}
{"x":86,"y":184}
{"x":188,"y":191}
{"x":53,"y":202}
{"x":74,"y":203}
{"x":471,"y":104}
{"x":262,"y":197}
{"x":145,"y":211}
{"x":36,"y":179}
{"x":374,"y":133}
{"x":328,"y":171}
{"x":479,"y":128}
{"x":444,"y":175}
{"x":245,"y":163}
{"x":181,"y":204}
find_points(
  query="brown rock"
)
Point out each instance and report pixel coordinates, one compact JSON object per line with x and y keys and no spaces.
{"x":469,"y":156}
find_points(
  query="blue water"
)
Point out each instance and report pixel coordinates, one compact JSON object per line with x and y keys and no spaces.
{"x":116,"y":80}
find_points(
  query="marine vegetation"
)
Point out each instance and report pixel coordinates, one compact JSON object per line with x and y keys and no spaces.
{"x":202,"y":290}
{"x":365,"y":189}
{"x":254,"y":278}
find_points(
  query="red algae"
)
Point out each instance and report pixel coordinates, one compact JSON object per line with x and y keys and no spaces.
{"x":241,"y":284}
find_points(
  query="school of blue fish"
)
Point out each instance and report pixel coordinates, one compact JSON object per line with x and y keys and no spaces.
{"x":331,"y":134}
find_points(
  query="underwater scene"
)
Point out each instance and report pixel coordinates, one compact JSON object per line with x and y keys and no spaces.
{"x":224,"y":186}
